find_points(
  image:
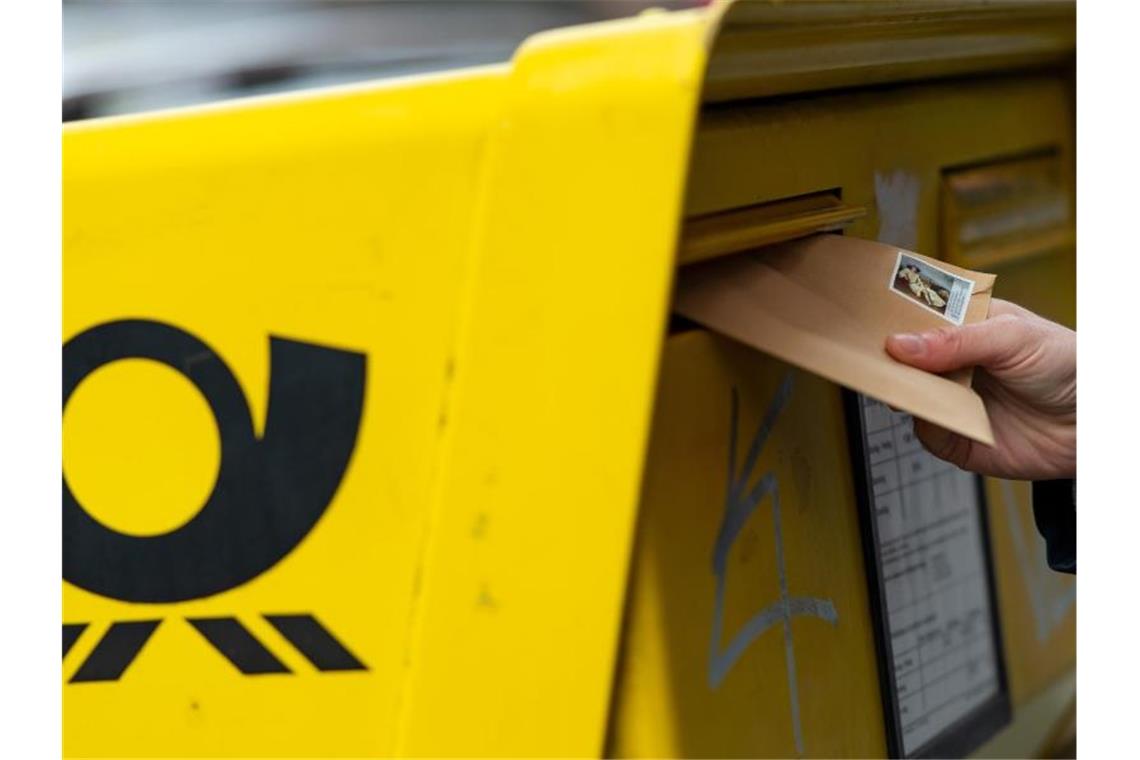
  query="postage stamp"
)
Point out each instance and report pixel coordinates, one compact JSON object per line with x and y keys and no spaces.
{"x":925,"y":285}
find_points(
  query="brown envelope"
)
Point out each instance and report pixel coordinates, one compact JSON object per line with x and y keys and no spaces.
{"x":825,"y":303}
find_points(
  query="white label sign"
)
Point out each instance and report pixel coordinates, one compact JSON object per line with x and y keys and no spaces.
{"x":932,"y":563}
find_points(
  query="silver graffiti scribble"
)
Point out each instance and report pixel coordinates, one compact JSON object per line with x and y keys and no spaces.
{"x":1050,"y":594}
{"x":739,"y":504}
{"x":896,"y":196}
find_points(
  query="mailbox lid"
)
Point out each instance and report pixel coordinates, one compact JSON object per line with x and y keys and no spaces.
{"x":467,"y":238}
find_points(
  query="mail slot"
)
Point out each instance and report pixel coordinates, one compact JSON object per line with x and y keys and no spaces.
{"x":720,"y":234}
{"x":425,"y":471}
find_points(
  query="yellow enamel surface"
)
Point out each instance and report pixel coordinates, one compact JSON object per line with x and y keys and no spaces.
{"x":170,"y":415}
{"x":526,"y":573}
{"x":764,"y":152}
{"x":340,"y":219}
{"x":670,"y":649}
{"x":1039,"y":605}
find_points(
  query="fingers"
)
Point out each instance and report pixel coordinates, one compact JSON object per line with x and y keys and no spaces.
{"x":962,"y":452}
{"x":942,"y":443}
{"x":992,"y":344}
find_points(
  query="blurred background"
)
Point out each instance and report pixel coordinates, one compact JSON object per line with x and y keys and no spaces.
{"x":124,"y":56}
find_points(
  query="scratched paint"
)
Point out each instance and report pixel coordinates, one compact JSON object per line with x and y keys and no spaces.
{"x":739,"y":505}
{"x":896,"y":197}
{"x":1051,"y":595}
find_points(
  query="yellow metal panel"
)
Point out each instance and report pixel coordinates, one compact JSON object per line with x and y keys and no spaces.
{"x":711,"y":666}
{"x":1046,"y":285}
{"x":526,"y":574}
{"x":342,"y":220}
{"x":767,"y":151}
{"x":1039,"y":605}
{"x":886,"y":150}
{"x":1007,"y":211}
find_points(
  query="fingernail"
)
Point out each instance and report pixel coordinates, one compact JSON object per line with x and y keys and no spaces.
{"x":909,"y":343}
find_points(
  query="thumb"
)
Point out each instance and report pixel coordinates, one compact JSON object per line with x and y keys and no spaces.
{"x":992,"y":344}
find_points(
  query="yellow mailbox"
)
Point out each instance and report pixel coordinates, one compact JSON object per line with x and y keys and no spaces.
{"x":378,"y":438}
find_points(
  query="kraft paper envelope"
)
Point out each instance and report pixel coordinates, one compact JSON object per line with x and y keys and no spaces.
{"x":825,"y":303}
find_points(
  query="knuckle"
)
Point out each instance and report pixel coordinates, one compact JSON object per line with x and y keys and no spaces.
{"x":1005,"y":319}
{"x":1002,"y":323}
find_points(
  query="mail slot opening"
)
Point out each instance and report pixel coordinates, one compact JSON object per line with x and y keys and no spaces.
{"x":723,"y":233}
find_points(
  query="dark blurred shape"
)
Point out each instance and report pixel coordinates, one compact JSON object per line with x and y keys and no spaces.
{"x":123,"y":56}
{"x":253,"y":77}
{"x":79,"y":107}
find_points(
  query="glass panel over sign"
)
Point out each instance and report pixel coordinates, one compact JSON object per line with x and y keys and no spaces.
{"x":932,"y":588}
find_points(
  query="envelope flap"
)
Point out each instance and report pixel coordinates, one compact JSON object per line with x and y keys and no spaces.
{"x":827,"y":304}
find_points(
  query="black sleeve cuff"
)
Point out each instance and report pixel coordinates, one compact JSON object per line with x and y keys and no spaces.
{"x":1055,"y":512}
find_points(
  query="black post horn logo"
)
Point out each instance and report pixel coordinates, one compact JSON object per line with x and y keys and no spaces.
{"x":270,"y":491}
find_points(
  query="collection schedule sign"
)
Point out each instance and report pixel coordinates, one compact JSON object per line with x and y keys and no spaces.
{"x":929,"y":568}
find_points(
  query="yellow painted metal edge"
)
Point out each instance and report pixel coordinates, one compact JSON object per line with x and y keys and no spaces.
{"x":287,"y":98}
{"x":519,"y":622}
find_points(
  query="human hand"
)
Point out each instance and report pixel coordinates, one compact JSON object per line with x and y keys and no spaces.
{"x":1027,"y":377}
